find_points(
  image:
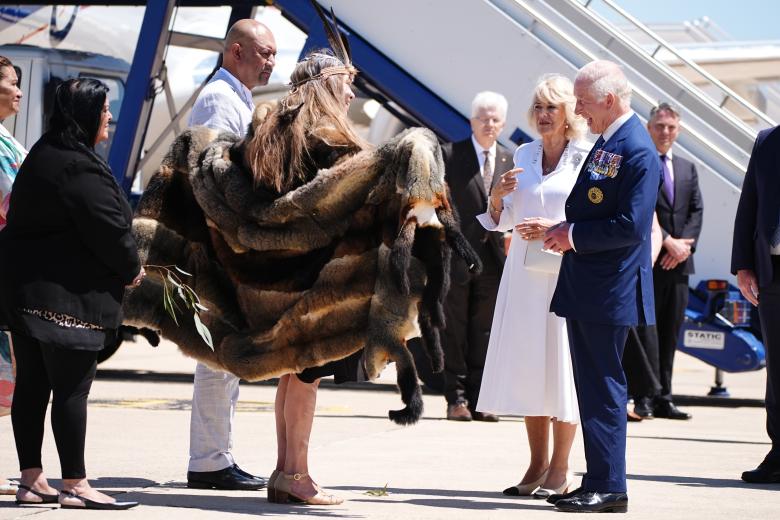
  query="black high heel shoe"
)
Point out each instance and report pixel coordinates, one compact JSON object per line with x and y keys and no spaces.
{"x":45,"y":497}
{"x":91,"y":504}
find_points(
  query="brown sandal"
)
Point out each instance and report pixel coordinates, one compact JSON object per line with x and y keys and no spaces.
{"x":283,"y":494}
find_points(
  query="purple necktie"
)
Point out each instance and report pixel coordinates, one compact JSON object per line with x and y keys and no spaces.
{"x":668,"y":182}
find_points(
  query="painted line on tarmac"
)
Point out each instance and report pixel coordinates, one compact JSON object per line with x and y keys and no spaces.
{"x":153,"y":403}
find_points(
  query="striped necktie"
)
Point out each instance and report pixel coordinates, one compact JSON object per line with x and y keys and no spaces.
{"x":487,"y":172}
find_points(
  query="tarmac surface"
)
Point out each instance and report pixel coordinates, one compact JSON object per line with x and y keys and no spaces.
{"x":138,"y":438}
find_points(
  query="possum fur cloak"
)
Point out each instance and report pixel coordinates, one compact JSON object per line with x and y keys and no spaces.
{"x":356,"y":258}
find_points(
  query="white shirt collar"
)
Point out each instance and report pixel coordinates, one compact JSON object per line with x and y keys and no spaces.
{"x":667,"y":154}
{"x":244,"y":93}
{"x":616,"y":124}
{"x":481,"y":151}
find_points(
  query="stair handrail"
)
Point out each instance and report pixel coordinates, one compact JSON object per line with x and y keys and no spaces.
{"x":729,"y":94}
{"x":538,"y":19}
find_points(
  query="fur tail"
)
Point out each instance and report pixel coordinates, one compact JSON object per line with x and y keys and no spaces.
{"x":457,"y":241}
{"x":129,"y":333}
{"x":411,"y":394}
{"x":401,"y":256}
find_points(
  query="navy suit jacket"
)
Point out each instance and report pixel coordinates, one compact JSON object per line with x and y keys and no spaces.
{"x":685,"y":218}
{"x":608,"y":279}
{"x":758,"y":212}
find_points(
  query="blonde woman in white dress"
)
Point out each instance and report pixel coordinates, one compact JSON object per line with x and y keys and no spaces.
{"x":528,"y":368}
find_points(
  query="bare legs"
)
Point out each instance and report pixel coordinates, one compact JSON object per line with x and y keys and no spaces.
{"x":294,"y":409}
{"x":538,"y":429}
{"x":35,"y":480}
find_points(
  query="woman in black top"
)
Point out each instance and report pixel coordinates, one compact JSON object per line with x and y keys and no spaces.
{"x":66,"y":255}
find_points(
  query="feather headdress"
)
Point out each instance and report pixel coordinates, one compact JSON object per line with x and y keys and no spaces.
{"x":338,"y":43}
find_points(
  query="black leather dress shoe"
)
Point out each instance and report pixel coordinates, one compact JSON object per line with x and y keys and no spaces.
{"x":667,"y":410}
{"x":249,"y":475}
{"x":483,"y":416}
{"x":763,"y":474}
{"x":643,"y":407}
{"x":228,"y":478}
{"x":594,"y":502}
{"x":554,"y":498}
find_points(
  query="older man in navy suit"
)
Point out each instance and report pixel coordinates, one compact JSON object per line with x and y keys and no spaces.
{"x":605,"y":283}
{"x":755,"y":259}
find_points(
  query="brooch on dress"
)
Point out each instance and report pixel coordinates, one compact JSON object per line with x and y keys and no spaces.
{"x":577,"y":159}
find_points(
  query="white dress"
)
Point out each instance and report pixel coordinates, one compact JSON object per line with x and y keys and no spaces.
{"x":528,"y":366}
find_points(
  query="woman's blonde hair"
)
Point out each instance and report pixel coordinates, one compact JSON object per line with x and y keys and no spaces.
{"x":278,"y":151}
{"x":558,"y":90}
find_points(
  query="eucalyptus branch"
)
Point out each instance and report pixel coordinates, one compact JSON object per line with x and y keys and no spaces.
{"x":176,"y":292}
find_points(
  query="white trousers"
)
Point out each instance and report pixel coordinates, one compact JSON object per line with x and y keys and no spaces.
{"x":214,"y":400}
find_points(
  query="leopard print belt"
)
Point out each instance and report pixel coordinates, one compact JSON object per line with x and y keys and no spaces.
{"x":63,"y":320}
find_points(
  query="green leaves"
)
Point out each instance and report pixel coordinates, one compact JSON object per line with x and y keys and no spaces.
{"x":203,"y":331}
{"x":381,"y":492}
{"x":175,"y":293}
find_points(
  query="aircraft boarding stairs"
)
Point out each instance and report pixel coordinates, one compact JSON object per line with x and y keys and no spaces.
{"x":460,"y":47}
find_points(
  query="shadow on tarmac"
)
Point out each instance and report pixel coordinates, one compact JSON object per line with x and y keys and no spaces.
{"x":702,"y":482}
{"x":716,"y":441}
{"x":246,"y":504}
{"x":452,"y":498}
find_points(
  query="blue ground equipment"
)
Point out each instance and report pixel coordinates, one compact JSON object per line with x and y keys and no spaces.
{"x":721,"y":328}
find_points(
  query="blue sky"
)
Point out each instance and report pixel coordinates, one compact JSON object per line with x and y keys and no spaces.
{"x":743,"y":19}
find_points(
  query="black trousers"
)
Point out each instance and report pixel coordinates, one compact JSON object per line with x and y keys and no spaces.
{"x":640,"y":361}
{"x":469,"y":314}
{"x":769,"y":311}
{"x":671,"y":299}
{"x":41,"y":370}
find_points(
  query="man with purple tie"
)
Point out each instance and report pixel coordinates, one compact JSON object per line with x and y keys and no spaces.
{"x":679,"y":209}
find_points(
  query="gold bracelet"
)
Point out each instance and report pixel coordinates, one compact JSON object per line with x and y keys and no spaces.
{"x":492,"y":208}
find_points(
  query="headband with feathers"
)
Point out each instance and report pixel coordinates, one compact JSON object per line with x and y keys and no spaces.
{"x":338,"y":42}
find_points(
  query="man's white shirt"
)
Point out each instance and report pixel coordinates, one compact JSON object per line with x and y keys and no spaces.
{"x":224,"y":104}
{"x":481,"y":154}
